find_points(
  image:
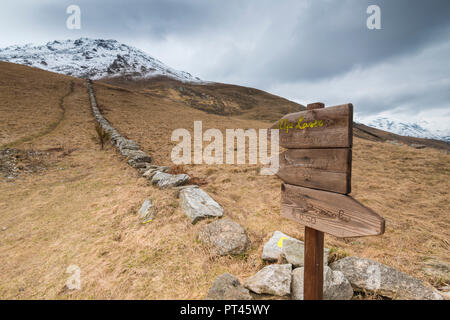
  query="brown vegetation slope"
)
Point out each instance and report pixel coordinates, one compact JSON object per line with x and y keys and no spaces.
{"x":22,"y":110}
{"x":215,"y":98}
{"x":81,"y":210}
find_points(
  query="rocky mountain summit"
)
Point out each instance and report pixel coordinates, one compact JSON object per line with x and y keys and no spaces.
{"x":92,"y":58}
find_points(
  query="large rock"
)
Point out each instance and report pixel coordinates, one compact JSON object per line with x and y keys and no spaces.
{"x":152,"y":170}
{"x":228,"y":287}
{"x":123,"y":143}
{"x":137,"y":165}
{"x":166,"y":180}
{"x":136,"y":155}
{"x":158,"y":176}
{"x":173,"y":181}
{"x":292,"y":249}
{"x":149,"y":173}
{"x":371,"y":276}
{"x":274,"y":279}
{"x":146,"y":212}
{"x":225,"y":237}
{"x":335,"y":285}
{"x":197,"y":205}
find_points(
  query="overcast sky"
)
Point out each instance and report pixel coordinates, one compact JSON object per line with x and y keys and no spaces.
{"x":304,"y":50}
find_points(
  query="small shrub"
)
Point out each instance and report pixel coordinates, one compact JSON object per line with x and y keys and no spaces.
{"x":336,"y":254}
{"x":210,"y":171}
{"x":177,"y":169}
{"x":197,"y":181}
{"x":102,"y":135}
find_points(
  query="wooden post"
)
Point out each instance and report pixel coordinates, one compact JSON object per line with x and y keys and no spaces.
{"x":313,"y":266}
{"x":314,"y":242}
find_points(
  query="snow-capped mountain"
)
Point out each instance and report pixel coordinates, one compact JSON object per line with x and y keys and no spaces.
{"x":409,"y":129}
{"x":91,"y":58}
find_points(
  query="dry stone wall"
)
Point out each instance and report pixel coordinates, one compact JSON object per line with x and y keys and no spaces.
{"x":196,"y":203}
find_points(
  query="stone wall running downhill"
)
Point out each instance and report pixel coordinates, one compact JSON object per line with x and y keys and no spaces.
{"x":128,"y":148}
{"x":196,"y":203}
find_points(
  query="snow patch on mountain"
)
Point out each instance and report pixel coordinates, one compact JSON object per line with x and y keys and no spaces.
{"x":405,"y":128}
{"x":92,"y":58}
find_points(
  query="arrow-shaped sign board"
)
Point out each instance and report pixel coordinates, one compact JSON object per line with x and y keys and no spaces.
{"x":329,"y":212}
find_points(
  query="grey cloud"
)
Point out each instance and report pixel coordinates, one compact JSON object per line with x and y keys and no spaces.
{"x":294,"y":48}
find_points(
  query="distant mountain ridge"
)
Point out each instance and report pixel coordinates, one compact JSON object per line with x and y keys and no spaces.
{"x":408,"y":129}
{"x":92,"y":58}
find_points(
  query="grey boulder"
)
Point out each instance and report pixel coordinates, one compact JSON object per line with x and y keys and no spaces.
{"x":152,"y":169}
{"x":335,"y":285}
{"x":173,"y":181}
{"x":136,"y":155}
{"x":165,"y":180}
{"x":371,"y":276}
{"x":146,"y":212}
{"x":123,"y":143}
{"x":197,"y":205}
{"x":225,"y":237}
{"x":137,"y":165}
{"x":274,"y":279}
{"x":149,"y":173}
{"x":292,"y":249}
{"x":228,"y":287}
{"x":158,"y":176}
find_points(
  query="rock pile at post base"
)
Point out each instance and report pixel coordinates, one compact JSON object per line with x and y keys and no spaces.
{"x":335,"y":285}
{"x":274,"y":279}
{"x":341,"y":279}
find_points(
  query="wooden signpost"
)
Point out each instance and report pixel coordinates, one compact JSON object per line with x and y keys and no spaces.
{"x":316,"y":171}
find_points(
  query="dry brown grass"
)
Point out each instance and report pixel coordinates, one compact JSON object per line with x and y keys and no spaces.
{"x":82,"y":209}
{"x":215,"y":98}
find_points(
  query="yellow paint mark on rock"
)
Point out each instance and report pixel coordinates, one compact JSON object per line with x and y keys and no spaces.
{"x":280,"y":242}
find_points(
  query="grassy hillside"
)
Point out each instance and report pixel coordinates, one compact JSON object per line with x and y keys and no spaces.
{"x":80,"y":207}
{"x":215,"y":98}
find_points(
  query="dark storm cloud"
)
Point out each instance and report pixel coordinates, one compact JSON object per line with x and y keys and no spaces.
{"x":320,"y":38}
{"x":310,"y":49}
{"x":296,"y":39}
